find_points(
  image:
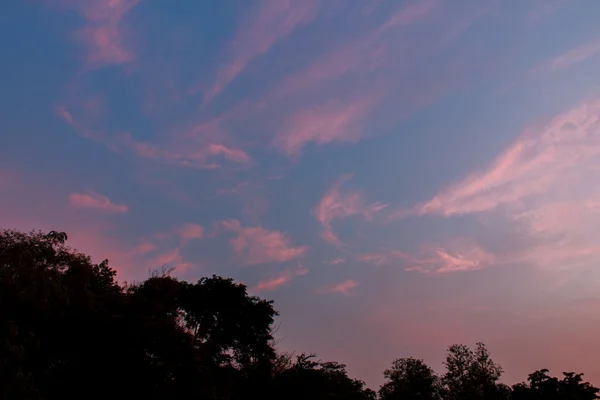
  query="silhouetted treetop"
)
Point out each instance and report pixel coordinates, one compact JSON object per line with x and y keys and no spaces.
{"x":69,"y":330}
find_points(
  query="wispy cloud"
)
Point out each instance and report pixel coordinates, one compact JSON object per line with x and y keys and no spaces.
{"x":366,"y":52}
{"x":409,"y":13}
{"x":571,"y":57}
{"x":282,"y":279}
{"x":344,"y":287}
{"x":256,"y":245}
{"x":274,"y":20}
{"x":335,"y":261}
{"x":190,"y":155}
{"x":235,"y":155}
{"x":330,"y":122}
{"x":336,"y":204}
{"x":454,"y":256}
{"x":342,"y":117}
{"x":462,"y":258}
{"x":541,"y":183}
{"x":97,"y":202}
{"x":542,"y":160}
{"x":65,"y":115}
{"x":102,"y":34}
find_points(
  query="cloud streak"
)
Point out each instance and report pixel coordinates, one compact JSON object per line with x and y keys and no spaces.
{"x":96,"y":201}
{"x":344,"y":287}
{"x":542,"y":186}
{"x":283,"y":279}
{"x":458,"y":255}
{"x":274,"y":20}
{"x":327,"y":123}
{"x":186,"y":155}
{"x":571,"y":57}
{"x":541,"y":160}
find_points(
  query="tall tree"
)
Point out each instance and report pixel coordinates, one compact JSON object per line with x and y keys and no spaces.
{"x":471,"y":374}
{"x":410,"y":379}
{"x":69,"y":330}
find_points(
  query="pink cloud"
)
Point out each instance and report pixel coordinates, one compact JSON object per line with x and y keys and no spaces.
{"x":571,"y":57}
{"x":142,"y":249}
{"x":275,"y":20}
{"x":103,"y":33}
{"x":131,"y":257}
{"x":468,"y":258}
{"x":331,"y":122}
{"x":557,"y":217}
{"x":541,"y":160}
{"x":185,"y":155}
{"x":190,"y":231}
{"x":341,"y":121}
{"x":410,"y":13}
{"x":541,"y":186}
{"x":65,"y":115}
{"x":344,"y":287}
{"x":563,"y":254}
{"x":280,"y":280}
{"x":172,"y":259}
{"x":455,"y":256}
{"x":362,"y":53}
{"x":97,"y":202}
{"x":235,"y":155}
{"x":335,"y":261}
{"x":83,"y":118}
{"x":337,"y":205}
{"x":337,"y":117}
{"x":256,"y":245}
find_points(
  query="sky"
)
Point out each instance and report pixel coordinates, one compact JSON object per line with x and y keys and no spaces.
{"x":398,"y":176}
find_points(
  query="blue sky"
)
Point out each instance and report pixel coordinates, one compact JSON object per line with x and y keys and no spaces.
{"x":398,"y":176}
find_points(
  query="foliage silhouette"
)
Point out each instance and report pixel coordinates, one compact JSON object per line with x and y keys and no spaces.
{"x":410,"y":378}
{"x":69,"y":330}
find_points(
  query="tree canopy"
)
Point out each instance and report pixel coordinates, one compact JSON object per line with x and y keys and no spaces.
{"x":69,"y":330}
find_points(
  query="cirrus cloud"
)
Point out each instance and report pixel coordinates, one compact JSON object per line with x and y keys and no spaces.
{"x":280,"y":280}
{"x":344,"y":287}
{"x":96,"y":201}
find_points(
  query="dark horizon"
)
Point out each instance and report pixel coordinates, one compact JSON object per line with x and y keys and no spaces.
{"x":69,"y":330}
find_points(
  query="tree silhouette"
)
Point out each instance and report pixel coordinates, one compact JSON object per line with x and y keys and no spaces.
{"x":410,"y":379}
{"x":311,"y":379}
{"x":471,"y":374}
{"x":69,"y":330}
{"x":543,"y":386}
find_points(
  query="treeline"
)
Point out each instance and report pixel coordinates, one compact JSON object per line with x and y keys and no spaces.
{"x":69,"y":330}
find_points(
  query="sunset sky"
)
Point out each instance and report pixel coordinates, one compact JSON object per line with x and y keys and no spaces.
{"x":397,"y":175}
